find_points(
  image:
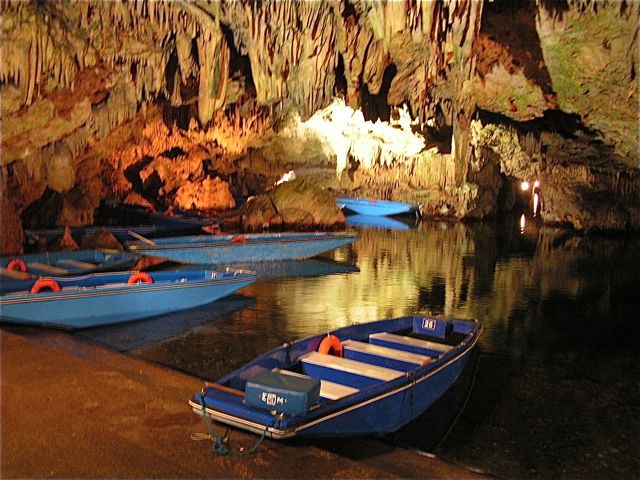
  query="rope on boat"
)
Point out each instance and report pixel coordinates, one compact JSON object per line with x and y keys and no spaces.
{"x":219,"y":447}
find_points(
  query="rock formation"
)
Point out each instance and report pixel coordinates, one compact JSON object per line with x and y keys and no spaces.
{"x":191,"y":104}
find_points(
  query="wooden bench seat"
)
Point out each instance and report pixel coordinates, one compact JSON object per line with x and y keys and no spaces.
{"x":345,"y":371}
{"x":15,"y":274}
{"x":409,"y":344}
{"x":43,"y":267}
{"x":77,"y":263}
{"x":394,"y":358}
{"x":328,"y":390}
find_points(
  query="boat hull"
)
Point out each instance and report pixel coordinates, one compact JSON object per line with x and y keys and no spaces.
{"x":370,"y":207}
{"x":111,"y":303}
{"x":402,"y":398}
{"x":242,"y":248}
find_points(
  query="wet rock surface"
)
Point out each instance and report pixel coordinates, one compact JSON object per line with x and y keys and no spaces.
{"x":296,"y":204}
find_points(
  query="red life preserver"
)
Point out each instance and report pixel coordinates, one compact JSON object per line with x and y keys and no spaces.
{"x":239,"y":239}
{"x":17,"y":264}
{"x":329,"y":344}
{"x":45,"y":283}
{"x":139,"y":277}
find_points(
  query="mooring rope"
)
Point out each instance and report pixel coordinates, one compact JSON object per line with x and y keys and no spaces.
{"x":464,"y":405}
{"x":219,"y":447}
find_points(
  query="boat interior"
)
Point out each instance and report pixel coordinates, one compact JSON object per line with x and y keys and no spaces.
{"x":358,"y":362}
{"x":110,"y":280}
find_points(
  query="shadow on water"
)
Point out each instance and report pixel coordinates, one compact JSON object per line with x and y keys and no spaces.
{"x":131,"y":335}
{"x":556,"y":391}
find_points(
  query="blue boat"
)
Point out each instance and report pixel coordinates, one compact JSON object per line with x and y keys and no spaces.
{"x":258,"y":247}
{"x":373,"y":221}
{"x":366,"y":206}
{"x":21,"y":271}
{"x":364,"y":379}
{"x":101,"y":299}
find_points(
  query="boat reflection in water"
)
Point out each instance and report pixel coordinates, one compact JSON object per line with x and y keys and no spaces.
{"x":131,"y":335}
{"x":311,"y":267}
{"x":373,"y":221}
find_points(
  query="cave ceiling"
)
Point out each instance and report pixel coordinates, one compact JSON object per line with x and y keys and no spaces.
{"x":72,"y":73}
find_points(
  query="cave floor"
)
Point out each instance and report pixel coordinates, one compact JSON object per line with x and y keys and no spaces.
{"x":72,"y":409}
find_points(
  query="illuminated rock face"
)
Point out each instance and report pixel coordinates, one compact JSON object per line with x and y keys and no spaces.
{"x":83,"y":85}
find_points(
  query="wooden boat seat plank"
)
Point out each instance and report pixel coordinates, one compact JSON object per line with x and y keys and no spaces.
{"x":225,"y":389}
{"x":387,"y":352}
{"x":351,"y":366}
{"x":47,"y":268}
{"x":415,"y":342}
{"x":328,"y":390}
{"x":15,"y":274}
{"x":76,"y":263}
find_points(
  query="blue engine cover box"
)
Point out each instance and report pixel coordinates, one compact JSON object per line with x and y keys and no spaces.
{"x":282,"y":393}
{"x":434,"y":327}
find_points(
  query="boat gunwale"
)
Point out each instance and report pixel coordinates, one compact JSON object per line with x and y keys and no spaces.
{"x":447,"y":359}
{"x":12,"y":298}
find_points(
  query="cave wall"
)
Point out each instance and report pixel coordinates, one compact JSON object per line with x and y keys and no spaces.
{"x":85,"y":87}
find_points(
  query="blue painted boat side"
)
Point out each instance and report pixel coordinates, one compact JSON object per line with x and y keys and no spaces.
{"x":372,"y":207}
{"x":106,"y":299}
{"x":207,"y":249}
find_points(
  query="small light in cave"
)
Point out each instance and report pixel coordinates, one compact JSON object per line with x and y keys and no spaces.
{"x":522,"y":223}
{"x":536,"y":184}
{"x":524,"y":186}
{"x":536,"y":201}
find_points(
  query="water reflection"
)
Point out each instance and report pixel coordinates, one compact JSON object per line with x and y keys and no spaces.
{"x":560,"y":318}
{"x":371,"y":221}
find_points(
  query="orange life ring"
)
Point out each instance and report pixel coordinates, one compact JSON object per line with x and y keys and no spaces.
{"x":239,"y":239}
{"x":140,"y":277}
{"x":329,"y":344}
{"x":45,"y":283}
{"x":17,"y":264}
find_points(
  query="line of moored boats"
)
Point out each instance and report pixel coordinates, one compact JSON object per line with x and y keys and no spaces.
{"x":357,"y":380}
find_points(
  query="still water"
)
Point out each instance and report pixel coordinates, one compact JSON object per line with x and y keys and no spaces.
{"x":555,"y":390}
